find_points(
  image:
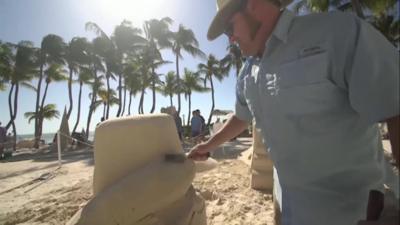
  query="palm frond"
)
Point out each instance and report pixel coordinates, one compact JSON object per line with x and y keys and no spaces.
{"x":29,"y":86}
{"x":91,"y":26}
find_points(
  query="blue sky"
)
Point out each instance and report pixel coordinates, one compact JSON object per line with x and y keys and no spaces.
{"x":32,"y":20}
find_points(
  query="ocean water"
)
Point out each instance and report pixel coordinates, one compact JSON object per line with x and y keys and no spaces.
{"x":47,"y":137}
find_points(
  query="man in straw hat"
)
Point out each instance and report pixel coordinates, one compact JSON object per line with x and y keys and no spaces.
{"x":316,"y":85}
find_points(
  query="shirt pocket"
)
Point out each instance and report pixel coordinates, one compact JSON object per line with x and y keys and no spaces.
{"x":305,"y":88}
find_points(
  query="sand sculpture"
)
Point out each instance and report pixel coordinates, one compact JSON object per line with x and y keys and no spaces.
{"x":133,"y":183}
{"x":64,"y":129}
{"x":261,"y":165}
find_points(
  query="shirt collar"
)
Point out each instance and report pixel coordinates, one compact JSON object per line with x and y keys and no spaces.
{"x":281,"y":29}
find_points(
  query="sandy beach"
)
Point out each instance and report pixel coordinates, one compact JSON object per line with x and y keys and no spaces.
{"x":35,"y":191}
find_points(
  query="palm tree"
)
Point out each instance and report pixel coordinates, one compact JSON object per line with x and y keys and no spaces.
{"x":155,"y":80}
{"x":108,"y":98}
{"x":103,"y":95}
{"x":191,"y":82}
{"x":125,"y":37}
{"x":358,"y":6}
{"x":234,"y":59}
{"x":145,"y":61}
{"x":96,"y":66}
{"x":76,"y":56}
{"x":381,"y":17}
{"x":145,"y":82}
{"x":7,"y":59}
{"x":85,"y":76}
{"x":6,"y":62}
{"x":54,"y":72}
{"x":48,"y":112}
{"x":385,"y":18}
{"x":23,"y":69}
{"x":158,"y":36}
{"x":212,"y":69}
{"x":316,"y":5}
{"x":51,"y":51}
{"x":169,"y":86}
{"x":158,"y":31}
{"x":184,"y":40}
{"x":132,"y":81}
{"x":105,"y":48}
{"x":96,"y":85}
{"x":388,"y":26}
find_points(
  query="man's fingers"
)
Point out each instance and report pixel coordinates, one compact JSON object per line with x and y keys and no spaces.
{"x":391,"y":209}
{"x":391,"y":202}
{"x":199,"y":156}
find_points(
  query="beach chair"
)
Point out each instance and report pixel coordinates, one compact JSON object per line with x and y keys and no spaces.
{"x":79,"y":139}
{"x":8,"y":146}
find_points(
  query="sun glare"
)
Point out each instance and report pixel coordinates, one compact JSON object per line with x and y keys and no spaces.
{"x":136,"y":11}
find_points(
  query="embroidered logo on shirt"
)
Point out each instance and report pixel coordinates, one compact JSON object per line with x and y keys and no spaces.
{"x":314,"y":50}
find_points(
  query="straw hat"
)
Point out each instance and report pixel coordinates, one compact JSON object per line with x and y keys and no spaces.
{"x":225,"y":10}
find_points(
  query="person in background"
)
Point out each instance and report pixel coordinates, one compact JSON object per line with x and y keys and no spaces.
{"x":178,"y":122}
{"x":203,"y":121}
{"x":196,"y":125}
{"x":204,"y":131}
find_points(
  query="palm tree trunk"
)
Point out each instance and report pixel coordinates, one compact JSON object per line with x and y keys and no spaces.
{"x":130,"y":101}
{"x":10,"y":106}
{"x":15,"y":135}
{"x":119,"y":94}
{"x":213,"y":101}
{"x":141,"y":102}
{"x":16,"y":101}
{"x":104,"y":109}
{"x":90,"y":113}
{"x":38,"y":101}
{"x":71,"y":73}
{"x":357,"y":8}
{"x":108,"y":95}
{"x":178,"y":81}
{"x":170,"y":100}
{"x":79,"y":107}
{"x":190,"y":106}
{"x":91,"y":107}
{"x":40,"y":117}
{"x":15,"y":110}
{"x":153,"y":88}
{"x":123,"y":104}
{"x":44,"y":97}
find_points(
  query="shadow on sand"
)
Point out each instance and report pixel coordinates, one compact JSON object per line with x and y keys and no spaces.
{"x":50,"y":158}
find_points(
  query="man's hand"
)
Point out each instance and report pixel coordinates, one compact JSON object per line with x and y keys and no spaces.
{"x":200,"y":152}
{"x":232,"y":128}
{"x":390,"y":213}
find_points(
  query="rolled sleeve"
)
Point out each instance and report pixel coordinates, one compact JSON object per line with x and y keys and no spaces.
{"x":242,"y":110}
{"x":373,"y":79}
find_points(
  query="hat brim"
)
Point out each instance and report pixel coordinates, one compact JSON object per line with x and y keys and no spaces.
{"x":222,"y":19}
